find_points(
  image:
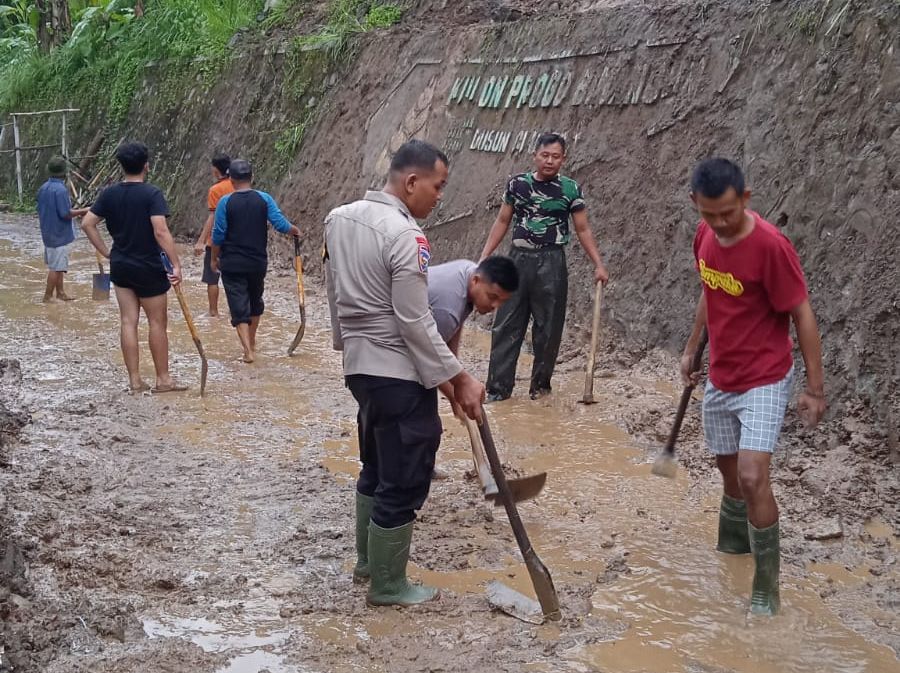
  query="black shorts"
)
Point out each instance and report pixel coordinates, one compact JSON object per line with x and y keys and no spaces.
{"x":210,"y":277}
{"x":142,"y":280}
{"x":244,"y":292}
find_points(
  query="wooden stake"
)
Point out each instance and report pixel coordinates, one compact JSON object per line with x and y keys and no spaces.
{"x":18,"y":156}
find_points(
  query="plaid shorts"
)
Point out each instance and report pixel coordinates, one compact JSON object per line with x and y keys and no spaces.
{"x":747,"y":421}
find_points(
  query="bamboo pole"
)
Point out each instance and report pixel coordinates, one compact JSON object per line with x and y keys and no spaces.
{"x":18,"y":156}
{"x":44,"y":112}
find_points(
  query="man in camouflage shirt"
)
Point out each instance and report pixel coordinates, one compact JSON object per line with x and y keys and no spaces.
{"x":540,"y":204}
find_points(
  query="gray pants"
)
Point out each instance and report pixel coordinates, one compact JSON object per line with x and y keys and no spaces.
{"x":542,"y":293}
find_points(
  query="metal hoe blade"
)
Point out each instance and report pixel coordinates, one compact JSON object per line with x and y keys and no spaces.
{"x":513,"y":603}
{"x":298,"y":266}
{"x":524,"y":488}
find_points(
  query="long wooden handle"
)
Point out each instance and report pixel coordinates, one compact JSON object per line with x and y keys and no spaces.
{"x":298,"y":265}
{"x":488,"y":485}
{"x":540,"y":576}
{"x":188,"y":318}
{"x":595,"y":336}
{"x":512,"y":512}
{"x":669,"y":448}
{"x":99,"y":260}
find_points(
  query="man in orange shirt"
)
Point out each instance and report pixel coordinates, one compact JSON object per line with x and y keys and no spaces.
{"x":223,"y":186}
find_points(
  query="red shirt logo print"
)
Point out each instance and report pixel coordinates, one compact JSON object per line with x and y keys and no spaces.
{"x":424,"y":253}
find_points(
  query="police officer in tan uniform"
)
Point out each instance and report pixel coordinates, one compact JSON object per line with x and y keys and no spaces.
{"x":376,"y":260}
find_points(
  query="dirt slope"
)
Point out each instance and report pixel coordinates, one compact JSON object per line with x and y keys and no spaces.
{"x":803,"y":94}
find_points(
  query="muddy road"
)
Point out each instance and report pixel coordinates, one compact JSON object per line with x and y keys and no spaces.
{"x":170,"y":533}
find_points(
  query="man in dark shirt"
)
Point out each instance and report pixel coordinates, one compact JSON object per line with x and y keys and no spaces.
{"x":540,"y":204}
{"x":55,"y":213}
{"x":239,"y":239}
{"x":135,"y":214}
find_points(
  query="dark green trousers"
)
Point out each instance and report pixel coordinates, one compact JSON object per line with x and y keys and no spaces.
{"x":543,"y":290}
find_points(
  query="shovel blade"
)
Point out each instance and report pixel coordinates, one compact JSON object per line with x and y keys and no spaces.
{"x":513,"y":603}
{"x":100,"y":287}
{"x":665,"y":466}
{"x":298,"y":337}
{"x":543,"y":586}
{"x":524,"y":488}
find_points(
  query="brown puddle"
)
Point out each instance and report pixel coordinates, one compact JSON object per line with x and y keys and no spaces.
{"x":684,"y":604}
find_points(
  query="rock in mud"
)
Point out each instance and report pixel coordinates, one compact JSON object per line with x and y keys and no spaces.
{"x":829,"y":529}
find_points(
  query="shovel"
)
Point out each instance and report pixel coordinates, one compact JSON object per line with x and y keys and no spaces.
{"x":100,"y":286}
{"x":588,"y":397}
{"x":665,"y":465}
{"x":298,"y":265}
{"x":186,"y":311}
{"x":524,"y":488}
{"x":507,"y":599}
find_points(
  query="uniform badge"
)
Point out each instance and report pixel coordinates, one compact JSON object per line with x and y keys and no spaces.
{"x":424,"y":253}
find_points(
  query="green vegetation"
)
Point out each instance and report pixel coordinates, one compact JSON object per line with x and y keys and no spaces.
{"x":284,"y":12}
{"x":832,"y":15}
{"x":347,"y":18}
{"x":806,"y":22}
{"x":288,"y":142}
{"x":99,"y":65}
{"x":100,"y":61}
{"x":97,"y":56}
{"x":310,"y":59}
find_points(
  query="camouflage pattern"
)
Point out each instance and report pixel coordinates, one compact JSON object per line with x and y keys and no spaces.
{"x":541,"y":209}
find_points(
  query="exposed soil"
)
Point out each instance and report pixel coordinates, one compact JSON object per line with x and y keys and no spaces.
{"x":174,"y":534}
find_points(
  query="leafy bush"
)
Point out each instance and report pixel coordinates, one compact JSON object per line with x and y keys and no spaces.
{"x":18,"y":30}
{"x":347,"y":18}
{"x":100,"y":64}
{"x":383,"y":16}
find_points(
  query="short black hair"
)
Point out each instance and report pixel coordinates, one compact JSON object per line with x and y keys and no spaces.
{"x":132,"y":156}
{"x":221,"y":162}
{"x":417,"y":154}
{"x":712,"y":178}
{"x":240,"y":169}
{"x":501,"y":271}
{"x":549,"y":139}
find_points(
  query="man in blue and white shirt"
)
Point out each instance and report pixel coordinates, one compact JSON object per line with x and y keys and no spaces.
{"x":239,"y":238}
{"x":55,"y":213}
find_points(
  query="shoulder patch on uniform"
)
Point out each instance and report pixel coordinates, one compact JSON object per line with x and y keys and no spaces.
{"x":424,"y":253}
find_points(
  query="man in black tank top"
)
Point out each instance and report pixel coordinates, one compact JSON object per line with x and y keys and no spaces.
{"x":239,"y":239}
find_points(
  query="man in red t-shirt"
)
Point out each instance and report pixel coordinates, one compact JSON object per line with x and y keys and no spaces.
{"x":753,"y":287}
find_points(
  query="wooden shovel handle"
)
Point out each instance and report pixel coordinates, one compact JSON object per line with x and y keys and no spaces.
{"x":488,"y":485}
{"x":592,"y":358}
{"x":188,"y":318}
{"x":540,"y":576}
{"x":697,"y":361}
{"x":298,"y":266}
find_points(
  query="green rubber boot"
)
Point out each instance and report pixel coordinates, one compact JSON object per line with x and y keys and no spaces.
{"x":363,"y":514}
{"x":734,"y":536}
{"x":388,"y":555}
{"x":766,"y":546}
